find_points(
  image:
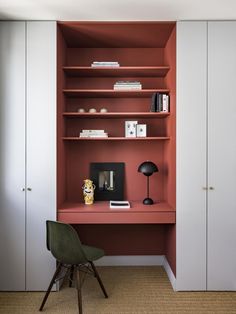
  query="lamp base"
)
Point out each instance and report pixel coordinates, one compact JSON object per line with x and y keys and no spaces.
{"x":147,"y":201}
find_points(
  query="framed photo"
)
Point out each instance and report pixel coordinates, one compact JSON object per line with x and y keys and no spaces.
{"x":108,"y":178}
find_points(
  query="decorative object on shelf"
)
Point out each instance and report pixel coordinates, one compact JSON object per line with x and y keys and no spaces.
{"x":130,"y":128}
{"x":127,"y":85}
{"x":88,"y":191}
{"x":119,"y":204}
{"x":112,"y":64}
{"x":81,"y":110}
{"x":141,"y":130}
{"x":159,"y":102}
{"x":103,"y":110}
{"x":109,"y":179}
{"x":147,"y":168}
{"x":93,"y":133}
{"x":92,"y":110}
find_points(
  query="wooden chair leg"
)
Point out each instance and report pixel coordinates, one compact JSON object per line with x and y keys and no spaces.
{"x":71,"y":275}
{"x":99,"y":279}
{"x":50,"y":286}
{"x":79,"y":292}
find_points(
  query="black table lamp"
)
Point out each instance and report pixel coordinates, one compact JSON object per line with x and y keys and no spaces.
{"x":147,"y":168}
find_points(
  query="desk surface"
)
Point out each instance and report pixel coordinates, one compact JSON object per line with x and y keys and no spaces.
{"x":100,"y":213}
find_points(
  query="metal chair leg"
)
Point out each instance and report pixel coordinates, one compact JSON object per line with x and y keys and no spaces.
{"x":79,"y":292}
{"x":50,"y":286}
{"x":71,"y":276}
{"x":99,"y":279}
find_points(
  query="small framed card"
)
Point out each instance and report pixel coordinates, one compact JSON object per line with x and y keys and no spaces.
{"x":130,"y":128}
{"x":141,"y":130}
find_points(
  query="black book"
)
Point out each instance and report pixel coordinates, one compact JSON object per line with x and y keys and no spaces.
{"x":159,"y":102}
{"x":154,"y":102}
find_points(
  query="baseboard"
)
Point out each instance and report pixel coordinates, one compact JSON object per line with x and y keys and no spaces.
{"x":139,"y":260}
{"x":169,"y":273}
{"x":131,"y":260}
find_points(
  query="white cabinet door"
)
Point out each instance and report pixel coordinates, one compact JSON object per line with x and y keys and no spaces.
{"x":191,"y":155}
{"x":28,"y":152}
{"x":12,"y":155}
{"x":41,"y":150}
{"x":221,"y":219}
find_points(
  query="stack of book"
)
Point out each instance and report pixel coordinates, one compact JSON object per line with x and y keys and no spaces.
{"x":160,"y":103}
{"x":93,"y":133}
{"x":105,"y":64}
{"x":127,"y":85}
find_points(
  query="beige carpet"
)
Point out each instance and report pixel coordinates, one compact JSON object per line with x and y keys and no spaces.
{"x":132,"y":290}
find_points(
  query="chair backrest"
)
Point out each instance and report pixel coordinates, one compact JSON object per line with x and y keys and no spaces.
{"x":64,"y":243}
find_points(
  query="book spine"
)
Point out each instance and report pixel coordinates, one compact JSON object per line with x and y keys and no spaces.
{"x":127,"y":87}
{"x":153,"y":102}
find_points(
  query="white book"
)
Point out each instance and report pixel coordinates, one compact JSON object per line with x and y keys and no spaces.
{"x":127,"y":87}
{"x":93,"y":135}
{"x":105,"y":62}
{"x":128,"y":83}
{"x":119,"y":204}
{"x":105,"y":65}
{"x":165,"y":103}
{"x":91,"y":131}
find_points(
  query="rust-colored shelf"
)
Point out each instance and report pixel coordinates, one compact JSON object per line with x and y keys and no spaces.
{"x":99,"y":212}
{"x":122,"y":71}
{"x":109,"y":115}
{"x":110,"y":138}
{"x":110,"y":93}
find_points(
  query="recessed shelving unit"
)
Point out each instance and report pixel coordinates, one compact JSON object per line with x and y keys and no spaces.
{"x":146,"y":53}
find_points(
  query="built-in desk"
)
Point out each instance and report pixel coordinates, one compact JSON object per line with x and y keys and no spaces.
{"x":100,"y":213}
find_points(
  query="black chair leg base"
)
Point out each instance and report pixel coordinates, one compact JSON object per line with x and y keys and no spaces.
{"x":50,"y":286}
{"x":99,"y":279}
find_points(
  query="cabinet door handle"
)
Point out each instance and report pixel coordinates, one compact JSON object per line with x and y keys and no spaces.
{"x":204,"y":188}
{"x":29,"y":189}
{"x":23,"y":189}
{"x":211,"y":188}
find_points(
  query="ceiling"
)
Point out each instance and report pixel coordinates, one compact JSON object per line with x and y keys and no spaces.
{"x":117,"y":10}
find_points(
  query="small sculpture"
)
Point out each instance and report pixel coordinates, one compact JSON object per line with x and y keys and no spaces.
{"x":92,"y":110}
{"x":88,"y":191}
{"x":81,"y":110}
{"x":103,"y":110}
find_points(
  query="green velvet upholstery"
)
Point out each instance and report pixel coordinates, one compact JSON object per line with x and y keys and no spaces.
{"x":65,"y":245}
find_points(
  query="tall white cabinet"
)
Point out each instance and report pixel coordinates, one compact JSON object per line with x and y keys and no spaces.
{"x":28,"y":152}
{"x":206,"y":156}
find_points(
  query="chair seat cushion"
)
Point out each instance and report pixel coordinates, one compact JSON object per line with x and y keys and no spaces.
{"x":92,"y":253}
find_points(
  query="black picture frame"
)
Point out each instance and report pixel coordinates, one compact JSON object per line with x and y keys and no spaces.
{"x":101,"y":194}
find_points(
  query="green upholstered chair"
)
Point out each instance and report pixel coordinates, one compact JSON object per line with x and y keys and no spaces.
{"x":64,"y":244}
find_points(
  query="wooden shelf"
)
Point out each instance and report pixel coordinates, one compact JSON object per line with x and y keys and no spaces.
{"x":109,"y":115}
{"x":150,"y":138}
{"x":122,"y":71}
{"x":99,"y":212}
{"x":110,"y":93}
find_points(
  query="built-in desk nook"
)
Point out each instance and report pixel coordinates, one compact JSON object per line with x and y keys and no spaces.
{"x":109,"y":74}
